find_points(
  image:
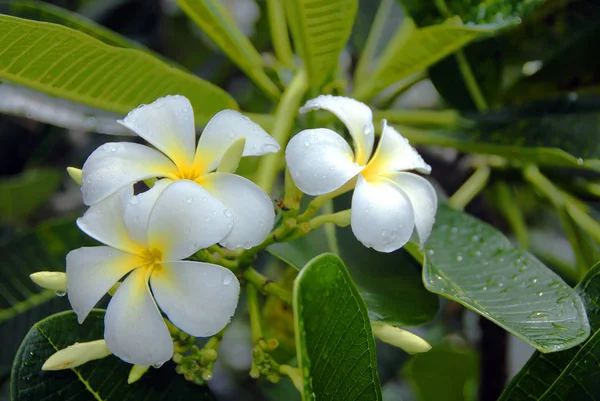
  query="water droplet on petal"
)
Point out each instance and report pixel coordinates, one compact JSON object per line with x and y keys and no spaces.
{"x":134,"y":201}
{"x":227,"y":213}
{"x":189,"y":199}
{"x":226,"y":279}
{"x":60,"y":293}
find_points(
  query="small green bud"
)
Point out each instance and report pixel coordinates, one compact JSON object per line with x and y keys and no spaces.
{"x":75,"y":174}
{"x":55,"y":281}
{"x":177,"y":357}
{"x":409,"y":342}
{"x":207,"y":375}
{"x":136,"y":373}
{"x":76,"y":355}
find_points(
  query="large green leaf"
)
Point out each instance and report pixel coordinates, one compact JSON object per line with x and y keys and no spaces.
{"x":214,"y":19}
{"x":69,"y":64}
{"x":412,"y":50}
{"x":472,"y":263}
{"x":22,"y":303}
{"x":568,"y":375}
{"x":45,"y":12}
{"x":454,"y":370}
{"x":22,"y":195}
{"x":320,"y":29}
{"x":105,"y":379}
{"x":334,"y":342}
{"x":390,"y":284}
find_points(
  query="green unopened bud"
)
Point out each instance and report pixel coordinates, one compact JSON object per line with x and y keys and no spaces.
{"x":136,"y":373}
{"x":207,"y":375}
{"x":232,"y":156}
{"x":409,"y":342}
{"x":55,"y":281}
{"x":75,"y":174}
{"x":76,"y":355}
{"x":292,"y":195}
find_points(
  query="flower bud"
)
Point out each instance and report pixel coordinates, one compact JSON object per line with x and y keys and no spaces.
{"x":409,"y":342}
{"x":232,"y":156}
{"x":75,"y":174}
{"x":136,"y":373}
{"x":55,"y":281}
{"x":76,"y":355}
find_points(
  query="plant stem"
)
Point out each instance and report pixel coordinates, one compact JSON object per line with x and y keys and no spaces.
{"x":445,"y":118}
{"x":330,"y":229}
{"x":373,"y":40}
{"x":266,"y":286}
{"x":318,"y":202}
{"x":279,"y":32}
{"x":475,"y":184}
{"x":294,"y":374}
{"x":286,"y":112}
{"x":512,"y":213}
{"x":254,"y":312}
{"x":471,"y":81}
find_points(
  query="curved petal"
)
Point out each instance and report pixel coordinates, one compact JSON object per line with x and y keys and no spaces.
{"x":382,"y":216}
{"x":320,"y":161}
{"x":357,"y":117}
{"x":199,"y":298}
{"x":104,"y":222}
{"x":91,"y":272}
{"x":115,"y":165}
{"x":394,"y":153}
{"x":252,"y":209}
{"x":137,"y":211}
{"x":423,"y":199}
{"x":134,"y":329}
{"x":186,"y":218}
{"x":222,"y":131}
{"x":168,"y":124}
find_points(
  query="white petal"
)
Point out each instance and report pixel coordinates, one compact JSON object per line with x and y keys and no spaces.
{"x":186,"y":218}
{"x":199,"y":298}
{"x":137,"y":211}
{"x":394,"y":153}
{"x":320,"y":161}
{"x":91,"y":272}
{"x":423,"y":199}
{"x":134,"y":329}
{"x":357,"y":117}
{"x":382,"y":216}
{"x":115,"y":165}
{"x":168,"y":124}
{"x":222,"y":131}
{"x":252,"y":209}
{"x":104,"y":221}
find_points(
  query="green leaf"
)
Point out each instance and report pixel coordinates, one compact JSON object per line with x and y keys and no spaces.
{"x":568,"y":375}
{"x":453,"y":370}
{"x":412,"y":50}
{"x":390,"y":284}
{"x":214,"y":19}
{"x":320,"y":30}
{"x":22,"y":303}
{"x":104,"y":379}
{"x":499,"y":13}
{"x":335,"y":345}
{"x":69,"y":64}
{"x":45,"y":12}
{"x":473,"y":264}
{"x":22,"y":195}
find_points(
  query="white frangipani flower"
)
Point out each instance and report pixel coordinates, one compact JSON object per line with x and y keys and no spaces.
{"x":168,"y":124}
{"x":388,"y":202}
{"x":148,"y":236}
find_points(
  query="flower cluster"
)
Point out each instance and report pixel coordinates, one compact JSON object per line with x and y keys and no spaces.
{"x":196,"y":201}
{"x":193,"y":205}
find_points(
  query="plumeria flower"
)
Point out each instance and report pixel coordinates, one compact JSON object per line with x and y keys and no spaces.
{"x":147,"y":237}
{"x":168,"y":124}
{"x":388,"y":202}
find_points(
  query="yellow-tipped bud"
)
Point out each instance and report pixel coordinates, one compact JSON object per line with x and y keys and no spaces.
{"x":75,"y":174}
{"x":136,"y":373}
{"x":232,"y":156}
{"x":76,"y":355}
{"x":409,"y":342}
{"x":55,"y":281}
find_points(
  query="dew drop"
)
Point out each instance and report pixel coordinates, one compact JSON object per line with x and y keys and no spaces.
{"x":430,"y":252}
{"x":226,"y":279}
{"x":188,"y":230}
{"x":454,"y":230}
{"x":580,"y":161}
{"x":539,"y":294}
{"x":134,"y":201}
{"x":157,"y":365}
{"x":306,"y":143}
{"x":227,"y":213}
{"x":60,"y":293}
{"x":477,"y":253}
{"x":189,"y":199}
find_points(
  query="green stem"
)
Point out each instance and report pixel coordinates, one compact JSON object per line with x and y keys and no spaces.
{"x":471,"y":81}
{"x":266,"y":286}
{"x":318,"y":202}
{"x":294,"y":374}
{"x":373,"y":40}
{"x":469,"y":190}
{"x":340,"y":219}
{"x":587,"y":223}
{"x":254,"y":312}
{"x":330,"y":229}
{"x":279,"y":32}
{"x":445,"y":118}
{"x":286,"y":112}
{"x":512,"y":213}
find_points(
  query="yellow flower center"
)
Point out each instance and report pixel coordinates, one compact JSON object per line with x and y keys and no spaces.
{"x":152,"y":258}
